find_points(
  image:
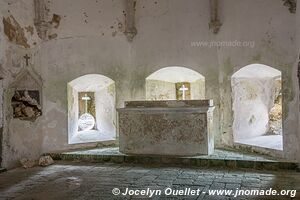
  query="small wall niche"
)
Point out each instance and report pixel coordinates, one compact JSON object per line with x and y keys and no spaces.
{"x":26,"y":101}
{"x":26,"y":105}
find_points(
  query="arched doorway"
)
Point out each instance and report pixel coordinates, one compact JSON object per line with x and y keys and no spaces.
{"x":257,"y":106}
{"x":171,"y":83}
{"x":91,"y":109}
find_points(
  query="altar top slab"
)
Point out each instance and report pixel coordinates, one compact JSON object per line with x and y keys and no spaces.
{"x":169,"y":103}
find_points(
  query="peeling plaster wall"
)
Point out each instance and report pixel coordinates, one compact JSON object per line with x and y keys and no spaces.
{"x":17,"y":38}
{"x":89,"y":39}
{"x":274,"y":37}
{"x":165,"y":33}
{"x":166,"y":30}
{"x":17,"y":23}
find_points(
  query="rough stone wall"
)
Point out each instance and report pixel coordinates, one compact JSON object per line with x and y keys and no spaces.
{"x":87,"y":36}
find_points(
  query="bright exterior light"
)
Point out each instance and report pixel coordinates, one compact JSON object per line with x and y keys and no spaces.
{"x":86,"y":121}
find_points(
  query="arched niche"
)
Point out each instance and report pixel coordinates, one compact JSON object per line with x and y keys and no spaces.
{"x":171,"y":83}
{"x":257,"y":106}
{"x":91,"y":94}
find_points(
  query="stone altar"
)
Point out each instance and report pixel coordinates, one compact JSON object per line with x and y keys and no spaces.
{"x":175,"y":128}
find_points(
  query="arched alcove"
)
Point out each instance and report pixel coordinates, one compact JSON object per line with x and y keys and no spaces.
{"x":257,"y":106}
{"x":91,"y":109}
{"x":171,"y":83}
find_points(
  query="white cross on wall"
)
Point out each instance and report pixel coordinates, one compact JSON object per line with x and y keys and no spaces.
{"x":183,"y":89}
{"x":86,"y":99}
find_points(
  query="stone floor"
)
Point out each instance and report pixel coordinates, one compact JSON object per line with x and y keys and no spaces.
{"x":81,"y":181}
{"x":220,"y":158}
{"x":218,"y":153}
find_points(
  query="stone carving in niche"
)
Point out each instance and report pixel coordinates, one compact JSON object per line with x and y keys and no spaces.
{"x":26,"y":95}
{"x":26,"y":104}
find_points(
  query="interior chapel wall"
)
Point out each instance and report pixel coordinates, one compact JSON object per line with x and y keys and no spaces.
{"x":274,"y":38}
{"x":256,"y":22}
{"x":18,"y":37}
{"x":90,"y":39}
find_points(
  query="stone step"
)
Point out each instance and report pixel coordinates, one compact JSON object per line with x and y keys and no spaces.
{"x":184,"y":161}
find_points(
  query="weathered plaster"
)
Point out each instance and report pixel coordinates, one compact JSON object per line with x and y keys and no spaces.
{"x":89,"y":39}
{"x":291,"y":4}
{"x":14,"y":31}
{"x":275,"y":48}
{"x":161,"y":43}
{"x":20,"y":138}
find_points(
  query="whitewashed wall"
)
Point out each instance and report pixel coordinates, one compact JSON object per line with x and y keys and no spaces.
{"x":90,"y":39}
